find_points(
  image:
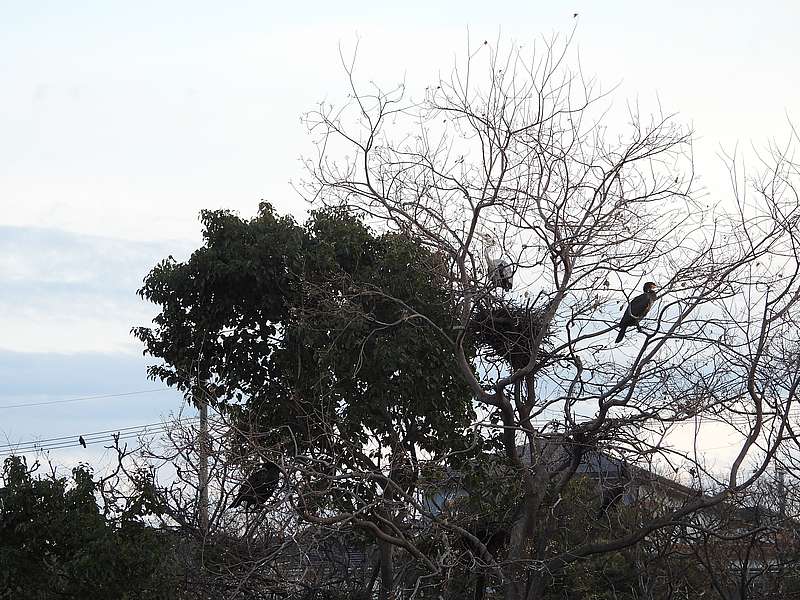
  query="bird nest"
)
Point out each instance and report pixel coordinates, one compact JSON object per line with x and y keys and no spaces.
{"x":509,"y":330}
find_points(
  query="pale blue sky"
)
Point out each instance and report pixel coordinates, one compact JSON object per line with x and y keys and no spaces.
{"x":120,"y":121}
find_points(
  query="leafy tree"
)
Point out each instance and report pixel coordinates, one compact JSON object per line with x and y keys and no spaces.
{"x":282,"y":317}
{"x":56,"y":543}
{"x":308,"y":336}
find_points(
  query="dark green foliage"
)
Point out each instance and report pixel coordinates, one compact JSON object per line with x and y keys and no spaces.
{"x":55,"y":543}
{"x":303,"y":326}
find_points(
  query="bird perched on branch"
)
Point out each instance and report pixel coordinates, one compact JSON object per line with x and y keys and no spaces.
{"x":259,"y":485}
{"x":609,"y":498}
{"x":501,"y":274}
{"x":637,"y":309}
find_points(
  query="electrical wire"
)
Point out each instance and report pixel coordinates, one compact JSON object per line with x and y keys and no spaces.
{"x":129,"y":436}
{"x":97,"y":437}
{"x":75,"y":436}
{"x":132,"y":432}
{"x":49,"y":402}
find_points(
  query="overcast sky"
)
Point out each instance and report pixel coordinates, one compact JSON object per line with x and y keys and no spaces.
{"x":120,"y":121}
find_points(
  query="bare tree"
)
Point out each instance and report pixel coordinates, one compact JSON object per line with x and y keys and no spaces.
{"x":261,"y":551}
{"x":746,"y":546}
{"x":517,"y":158}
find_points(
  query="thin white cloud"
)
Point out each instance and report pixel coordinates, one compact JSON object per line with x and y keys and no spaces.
{"x":74,"y":293}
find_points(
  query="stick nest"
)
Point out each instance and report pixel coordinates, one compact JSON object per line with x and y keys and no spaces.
{"x":509,"y":330}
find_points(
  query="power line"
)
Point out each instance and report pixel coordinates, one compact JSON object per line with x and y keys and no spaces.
{"x":96,"y":437}
{"x":48,"y":402}
{"x":131,"y":432}
{"x":85,"y":435}
{"x":72,"y":442}
{"x":128,"y":436}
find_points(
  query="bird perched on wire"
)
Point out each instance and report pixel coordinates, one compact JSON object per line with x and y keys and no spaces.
{"x":637,"y":309}
{"x":81,"y":441}
{"x":259,"y":485}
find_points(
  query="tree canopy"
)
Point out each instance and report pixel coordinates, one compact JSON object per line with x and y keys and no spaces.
{"x":379,"y":328}
{"x":56,"y":542}
{"x":304,"y":325}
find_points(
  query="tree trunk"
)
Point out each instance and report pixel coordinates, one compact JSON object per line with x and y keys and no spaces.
{"x":480,"y":587}
{"x":536,"y":587}
{"x":514,"y":588}
{"x":387,"y":571}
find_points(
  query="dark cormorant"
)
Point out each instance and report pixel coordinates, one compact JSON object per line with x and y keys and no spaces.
{"x":259,"y":485}
{"x":609,"y":498}
{"x":637,"y":309}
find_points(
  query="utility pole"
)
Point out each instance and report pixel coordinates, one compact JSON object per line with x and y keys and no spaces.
{"x":203,"y":448}
{"x":780,"y":473}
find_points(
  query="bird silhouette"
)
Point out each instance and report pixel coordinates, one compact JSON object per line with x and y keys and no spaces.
{"x":81,"y":441}
{"x":637,"y":309}
{"x":609,"y":498}
{"x":574,"y":15}
{"x":259,"y":485}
